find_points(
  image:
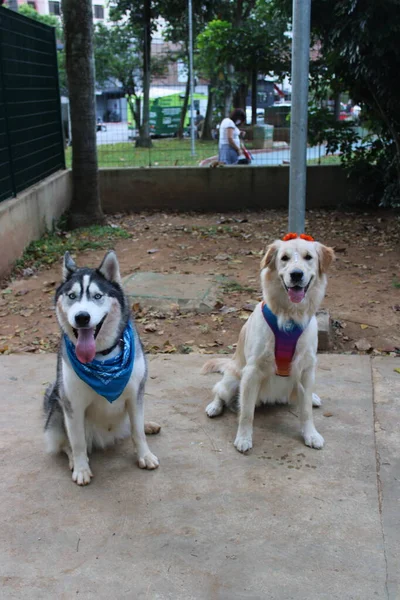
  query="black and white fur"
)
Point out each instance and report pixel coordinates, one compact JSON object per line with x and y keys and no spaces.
{"x":77,"y":418}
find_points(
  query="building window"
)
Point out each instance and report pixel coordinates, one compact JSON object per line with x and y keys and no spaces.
{"x":98,"y":11}
{"x":54,"y":8}
{"x":32,"y":4}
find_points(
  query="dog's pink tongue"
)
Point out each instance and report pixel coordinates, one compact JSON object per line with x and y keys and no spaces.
{"x":85,"y":346}
{"x":296,"y":295}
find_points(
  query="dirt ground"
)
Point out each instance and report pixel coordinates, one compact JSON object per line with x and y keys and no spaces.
{"x":363,"y":294}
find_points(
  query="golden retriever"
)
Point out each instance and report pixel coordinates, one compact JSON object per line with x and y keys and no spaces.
{"x":293,"y":280}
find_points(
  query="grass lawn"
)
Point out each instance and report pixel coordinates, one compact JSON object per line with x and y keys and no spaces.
{"x":325,"y":160}
{"x":165,"y":153}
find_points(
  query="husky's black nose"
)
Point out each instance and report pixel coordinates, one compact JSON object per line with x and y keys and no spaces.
{"x":296,"y":276}
{"x":82,"y":319}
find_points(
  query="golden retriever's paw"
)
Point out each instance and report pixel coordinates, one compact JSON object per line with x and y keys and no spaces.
{"x":243,"y":444}
{"x":312,"y":438}
{"x":82,"y":475}
{"x":316,"y":400}
{"x":149,"y":461}
{"x":215,"y":408}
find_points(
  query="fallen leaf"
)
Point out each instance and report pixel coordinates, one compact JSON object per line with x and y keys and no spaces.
{"x":328,"y":414}
{"x":26,"y":313}
{"x":363,"y":326}
{"x":225,"y":310}
{"x":363,"y":345}
{"x":248,"y":306}
{"x":244,"y":315}
{"x":222,"y":257}
{"x":3,"y":349}
{"x":397,"y":370}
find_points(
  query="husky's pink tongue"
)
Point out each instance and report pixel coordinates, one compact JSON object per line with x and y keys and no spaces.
{"x":85,"y":346}
{"x":296,"y":295}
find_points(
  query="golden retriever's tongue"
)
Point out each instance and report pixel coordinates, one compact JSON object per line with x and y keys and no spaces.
{"x":296,"y":295}
{"x":85,"y":346}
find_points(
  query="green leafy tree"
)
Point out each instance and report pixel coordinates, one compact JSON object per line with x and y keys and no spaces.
{"x":142,"y":16}
{"x":118,"y":61}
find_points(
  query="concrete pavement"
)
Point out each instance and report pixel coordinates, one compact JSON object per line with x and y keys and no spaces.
{"x":285,"y":522}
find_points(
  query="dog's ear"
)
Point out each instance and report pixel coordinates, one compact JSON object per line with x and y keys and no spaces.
{"x":269,"y":259}
{"x":69,"y":266}
{"x":325,"y":257}
{"x":109,"y":268}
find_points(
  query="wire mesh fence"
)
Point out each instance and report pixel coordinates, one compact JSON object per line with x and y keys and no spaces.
{"x":268,"y":144}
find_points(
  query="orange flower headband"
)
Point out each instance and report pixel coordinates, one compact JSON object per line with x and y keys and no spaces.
{"x":294,"y":236}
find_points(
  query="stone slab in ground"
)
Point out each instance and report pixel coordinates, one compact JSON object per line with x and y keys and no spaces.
{"x":285,"y":522}
{"x":190,"y":292}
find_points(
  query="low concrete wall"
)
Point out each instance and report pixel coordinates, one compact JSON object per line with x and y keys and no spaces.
{"x":26,"y":217}
{"x":217,"y":189}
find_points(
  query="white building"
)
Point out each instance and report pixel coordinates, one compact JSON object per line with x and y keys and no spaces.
{"x":53,"y":7}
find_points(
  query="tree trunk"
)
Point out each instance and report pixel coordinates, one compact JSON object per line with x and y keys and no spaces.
{"x":254,"y":97}
{"x":239,"y":100}
{"x":336,"y":107}
{"x":207,"y":127}
{"x":184,"y":108}
{"x":78,"y":28}
{"x":144,"y":140}
{"x":228,"y":96}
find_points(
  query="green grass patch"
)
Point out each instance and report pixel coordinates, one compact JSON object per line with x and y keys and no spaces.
{"x":52,"y":246}
{"x":235,"y":286}
{"x":396,"y":283}
{"x":325,"y":160}
{"x":165,"y":153}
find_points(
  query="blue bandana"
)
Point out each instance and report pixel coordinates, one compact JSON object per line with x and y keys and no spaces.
{"x":108,"y":378}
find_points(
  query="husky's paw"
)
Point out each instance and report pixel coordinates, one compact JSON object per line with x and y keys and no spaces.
{"x":148,"y":461}
{"x":312,"y":438}
{"x":82,"y":476}
{"x":316,"y":400}
{"x":151,"y":428}
{"x":214,"y":409}
{"x":243,"y":443}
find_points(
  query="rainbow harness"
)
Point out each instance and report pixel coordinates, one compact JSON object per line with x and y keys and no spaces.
{"x":285,"y":341}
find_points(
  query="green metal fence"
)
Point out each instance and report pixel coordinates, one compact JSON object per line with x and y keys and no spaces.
{"x":31,"y":138}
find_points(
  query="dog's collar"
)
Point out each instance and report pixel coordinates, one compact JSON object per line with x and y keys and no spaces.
{"x":111,"y":348}
{"x":109,"y":377}
{"x":286,"y":339}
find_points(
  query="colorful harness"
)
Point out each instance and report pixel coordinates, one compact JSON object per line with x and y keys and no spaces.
{"x":285,"y":341}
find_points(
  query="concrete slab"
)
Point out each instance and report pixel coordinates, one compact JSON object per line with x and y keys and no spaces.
{"x":190,"y":292}
{"x":285,"y":522}
{"x":387,"y":414}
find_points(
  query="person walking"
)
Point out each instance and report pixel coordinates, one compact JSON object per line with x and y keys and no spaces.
{"x":229,"y":137}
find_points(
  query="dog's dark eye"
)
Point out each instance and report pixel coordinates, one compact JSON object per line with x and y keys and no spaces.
{"x":308,"y":257}
{"x":285,"y":258}
{"x":97,"y":296}
{"x":72,"y":296}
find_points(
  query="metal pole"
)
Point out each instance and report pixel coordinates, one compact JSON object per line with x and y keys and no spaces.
{"x":192,"y":127}
{"x":299,"y":114}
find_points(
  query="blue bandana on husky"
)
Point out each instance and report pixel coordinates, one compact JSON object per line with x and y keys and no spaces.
{"x":108,"y":378}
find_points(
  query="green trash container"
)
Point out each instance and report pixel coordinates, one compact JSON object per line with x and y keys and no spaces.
{"x":263,"y":135}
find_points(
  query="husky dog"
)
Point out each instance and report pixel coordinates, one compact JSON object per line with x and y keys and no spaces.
{"x":98,"y":394}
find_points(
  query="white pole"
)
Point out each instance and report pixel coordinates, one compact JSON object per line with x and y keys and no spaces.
{"x":192,"y":126}
{"x":299,"y":114}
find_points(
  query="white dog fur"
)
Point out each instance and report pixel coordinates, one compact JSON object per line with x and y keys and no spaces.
{"x":251,"y":371}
